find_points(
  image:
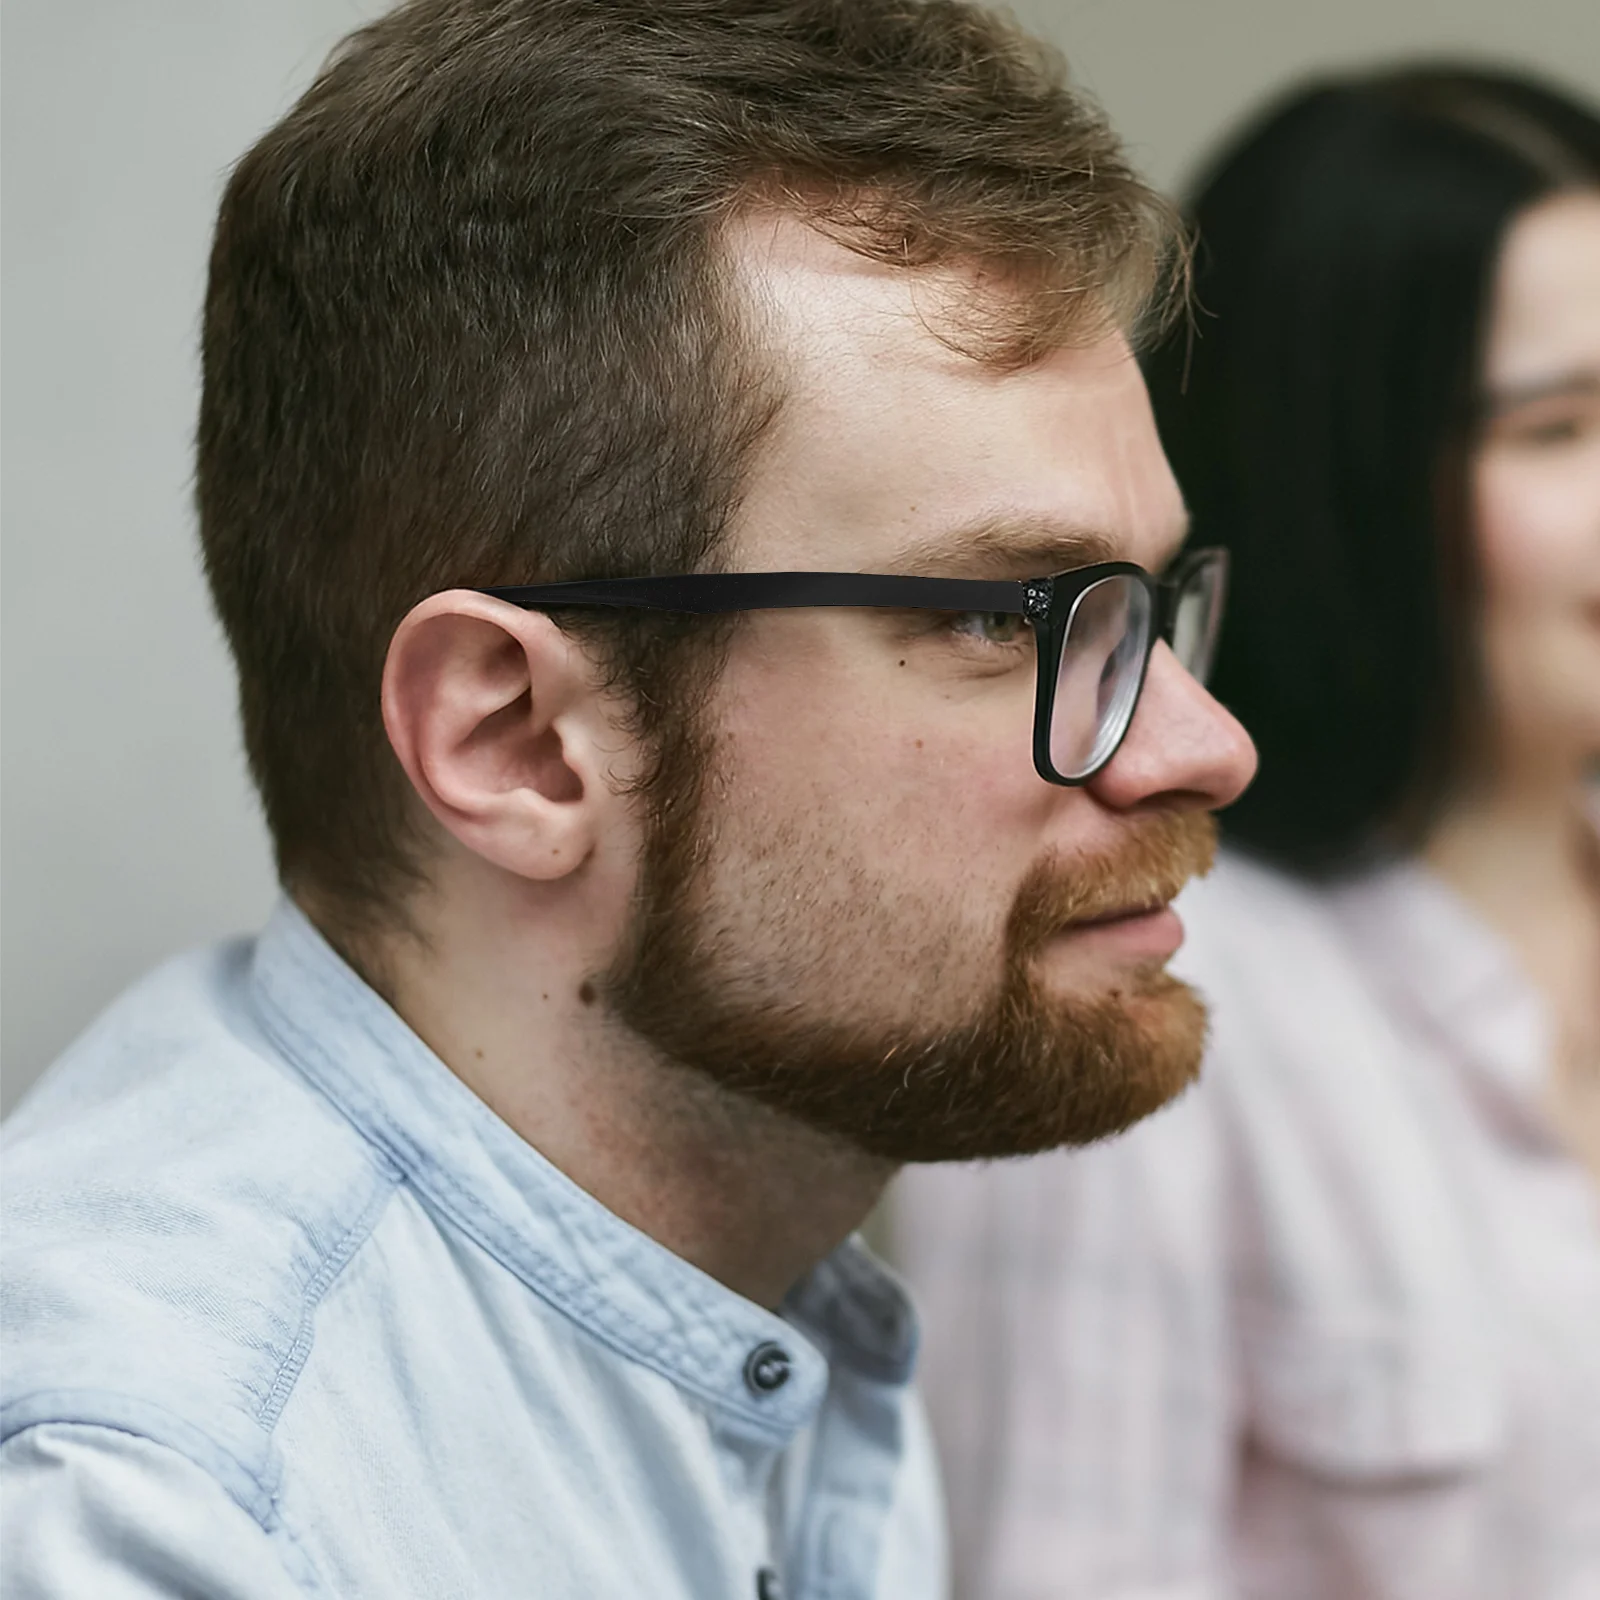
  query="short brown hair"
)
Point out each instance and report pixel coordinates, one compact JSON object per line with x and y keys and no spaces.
{"x":465,"y":322}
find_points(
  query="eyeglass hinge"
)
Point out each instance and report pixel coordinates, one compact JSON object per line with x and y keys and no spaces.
{"x":1036,"y":599}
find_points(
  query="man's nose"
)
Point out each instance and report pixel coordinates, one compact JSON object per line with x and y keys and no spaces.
{"x":1183,"y":748}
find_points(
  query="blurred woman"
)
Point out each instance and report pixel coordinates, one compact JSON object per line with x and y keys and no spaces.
{"x":1330,"y":1326}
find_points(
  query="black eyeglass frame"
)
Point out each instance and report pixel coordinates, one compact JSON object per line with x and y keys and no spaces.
{"x":1045,"y":604}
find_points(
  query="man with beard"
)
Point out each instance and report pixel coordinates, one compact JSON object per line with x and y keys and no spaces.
{"x":684,"y":510}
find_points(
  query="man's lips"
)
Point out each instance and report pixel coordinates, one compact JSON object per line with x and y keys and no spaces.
{"x":1145,"y":932}
{"x":1122,"y":914}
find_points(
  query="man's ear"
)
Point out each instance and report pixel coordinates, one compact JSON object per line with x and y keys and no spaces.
{"x":495,"y":716}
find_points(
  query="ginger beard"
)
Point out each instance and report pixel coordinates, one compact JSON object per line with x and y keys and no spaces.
{"x":1027,"y":1068}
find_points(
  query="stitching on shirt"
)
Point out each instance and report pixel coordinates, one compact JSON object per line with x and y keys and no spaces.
{"x":296,"y":1561}
{"x":862,"y":1314}
{"x":290,"y":1368}
{"x":251,"y":1487}
{"x":573,"y":1296}
{"x":114,"y":1413}
{"x":578,"y":1299}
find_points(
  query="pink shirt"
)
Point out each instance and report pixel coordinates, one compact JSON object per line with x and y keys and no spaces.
{"x":1326,"y":1329}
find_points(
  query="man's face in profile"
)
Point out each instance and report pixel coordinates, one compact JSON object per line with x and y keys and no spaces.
{"x":866,"y":908}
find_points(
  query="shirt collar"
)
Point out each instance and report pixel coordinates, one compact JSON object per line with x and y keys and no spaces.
{"x":629,"y":1292}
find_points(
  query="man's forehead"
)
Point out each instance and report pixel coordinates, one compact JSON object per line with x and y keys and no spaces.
{"x":811,"y":294}
{"x":921,"y":457}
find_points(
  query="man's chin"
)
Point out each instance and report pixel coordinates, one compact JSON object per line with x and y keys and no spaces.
{"x":1064,"y":1074}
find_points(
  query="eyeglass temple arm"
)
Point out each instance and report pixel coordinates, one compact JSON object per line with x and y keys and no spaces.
{"x":709,"y":593}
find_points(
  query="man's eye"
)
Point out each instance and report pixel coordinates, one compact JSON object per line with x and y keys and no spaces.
{"x":993,"y":627}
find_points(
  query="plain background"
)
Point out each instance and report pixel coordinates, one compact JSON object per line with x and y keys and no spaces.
{"x":127,"y":826}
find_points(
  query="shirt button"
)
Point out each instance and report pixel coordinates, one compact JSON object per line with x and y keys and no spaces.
{"x":767,"y":1369}
{"x":767,"y":1585}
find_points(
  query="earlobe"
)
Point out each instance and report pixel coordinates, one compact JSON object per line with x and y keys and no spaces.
{"x":494,"y":714}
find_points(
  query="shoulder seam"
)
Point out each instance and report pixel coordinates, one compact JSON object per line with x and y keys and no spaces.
{"x":336,"y":1260}
{"x":243,"y":1481}
{"x":107,"y":1412}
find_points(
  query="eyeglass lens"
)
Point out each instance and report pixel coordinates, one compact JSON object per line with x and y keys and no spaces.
{"x":1196,"y":619}
{"x":1103,"y":655}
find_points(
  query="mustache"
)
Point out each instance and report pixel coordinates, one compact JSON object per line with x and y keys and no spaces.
{"x":1147,"y":867}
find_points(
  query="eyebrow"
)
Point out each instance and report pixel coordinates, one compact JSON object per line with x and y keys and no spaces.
{"x":1565,"y":385}
{"x":1011,"y":547}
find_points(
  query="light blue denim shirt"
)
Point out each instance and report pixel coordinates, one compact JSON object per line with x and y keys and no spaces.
{"x":288,"y":1311}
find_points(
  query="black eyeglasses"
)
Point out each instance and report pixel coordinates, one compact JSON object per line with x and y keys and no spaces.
{"x":1094,"y":628}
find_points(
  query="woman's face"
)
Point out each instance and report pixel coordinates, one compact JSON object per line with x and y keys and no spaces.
{"x":1536,"y":486}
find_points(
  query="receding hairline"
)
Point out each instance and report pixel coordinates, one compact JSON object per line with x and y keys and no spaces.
{"x":1003,"y":309}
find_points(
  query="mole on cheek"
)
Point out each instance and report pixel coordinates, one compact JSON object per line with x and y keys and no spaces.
{"x":586,"y":992}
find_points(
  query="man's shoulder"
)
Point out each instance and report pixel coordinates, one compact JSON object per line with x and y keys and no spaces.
{"x":177,"y":1199}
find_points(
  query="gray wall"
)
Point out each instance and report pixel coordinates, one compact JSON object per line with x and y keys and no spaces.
{"x":128,"y":826}
{"x":1175,"y":73}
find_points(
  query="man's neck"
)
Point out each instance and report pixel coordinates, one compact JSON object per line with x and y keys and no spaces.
{"x":748,"y":1195}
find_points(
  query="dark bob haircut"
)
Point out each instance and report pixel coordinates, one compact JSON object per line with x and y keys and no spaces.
{"x":1319,"y":416}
